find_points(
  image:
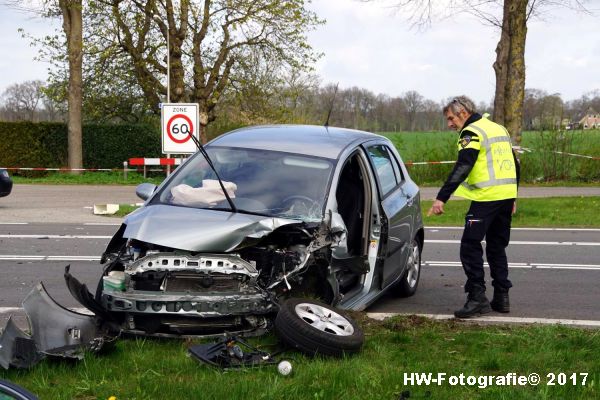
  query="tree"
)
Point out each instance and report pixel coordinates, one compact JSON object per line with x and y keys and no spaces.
{"x":414,"y":104}
{"x":22,"y":100}
{"x":211,"y":45}
{"x":71,"y":12}
{"x":509,"y":66}
{"x":73,"y":28}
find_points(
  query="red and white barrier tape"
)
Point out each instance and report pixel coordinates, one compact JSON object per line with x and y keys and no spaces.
{"x":177,"y":161}
{"x":428,"y":162}
{"x":522,"y":150}
{"x":61,"y":169}
{"x":518,"y":149}
{"x":155,"y":161}
{"x":137,"y":162}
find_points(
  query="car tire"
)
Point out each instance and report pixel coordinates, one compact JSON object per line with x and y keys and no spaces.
{"x":317,"y":328}
{"x":410,"y":278}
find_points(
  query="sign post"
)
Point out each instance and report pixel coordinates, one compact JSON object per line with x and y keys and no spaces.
{"x":179,"y":121}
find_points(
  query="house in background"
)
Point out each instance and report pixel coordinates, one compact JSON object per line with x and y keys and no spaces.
{"x":590,"y":120}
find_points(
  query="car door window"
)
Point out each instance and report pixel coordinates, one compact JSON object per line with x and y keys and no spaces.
{"x":397,"y":169}
{"x":381,"y":159}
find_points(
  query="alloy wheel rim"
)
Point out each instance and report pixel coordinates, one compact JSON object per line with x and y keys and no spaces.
{"x":413,"y":266}
{"x":324,"y":319}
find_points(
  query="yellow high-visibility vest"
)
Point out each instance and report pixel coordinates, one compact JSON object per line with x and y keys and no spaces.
{"x":494,"y":176}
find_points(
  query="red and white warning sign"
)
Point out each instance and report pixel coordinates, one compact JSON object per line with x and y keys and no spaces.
{"x":179,"y":121}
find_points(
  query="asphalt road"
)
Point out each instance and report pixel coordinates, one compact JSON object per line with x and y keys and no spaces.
{"x":554,"y":272}
{"x":73,"y":203}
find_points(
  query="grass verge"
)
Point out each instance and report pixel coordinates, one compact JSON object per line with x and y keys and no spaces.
{"x":89,"y":178}
{"x":148,"y":369}
{"x":531,"y":212}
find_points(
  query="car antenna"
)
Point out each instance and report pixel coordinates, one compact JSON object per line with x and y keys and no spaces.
{"x":331,"y":105}
{"x":210,"y":163}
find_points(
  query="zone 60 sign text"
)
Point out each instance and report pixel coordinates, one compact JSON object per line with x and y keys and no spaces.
{"x":179,"y":121}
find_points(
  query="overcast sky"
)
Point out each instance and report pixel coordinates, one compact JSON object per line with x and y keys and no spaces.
{"x":369,"y":46}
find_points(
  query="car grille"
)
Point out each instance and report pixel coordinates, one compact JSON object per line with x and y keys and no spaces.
{"x":202,"y":283}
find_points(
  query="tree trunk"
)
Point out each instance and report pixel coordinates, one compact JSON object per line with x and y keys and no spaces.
{"x":177,"y":35}
{"x":203,"y":125}
{"x":501,"y":67}
{"x":515,"y":88}
{"x":73,"y":27}
{"x":510,"y":68}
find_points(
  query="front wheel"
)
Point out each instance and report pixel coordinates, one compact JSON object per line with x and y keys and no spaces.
{"x":410,"y":279}
{"x":316,"y":328}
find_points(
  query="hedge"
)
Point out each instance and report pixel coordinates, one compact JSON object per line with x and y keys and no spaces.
{"x":45,"y":144}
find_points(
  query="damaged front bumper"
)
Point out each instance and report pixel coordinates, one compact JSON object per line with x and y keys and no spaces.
{"x":54,"y":331}
{"x":207,"y":286}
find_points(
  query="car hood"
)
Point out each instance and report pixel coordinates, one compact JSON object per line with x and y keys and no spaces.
{"x":194,"y":229}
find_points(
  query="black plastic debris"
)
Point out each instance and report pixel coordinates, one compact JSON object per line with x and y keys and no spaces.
{"x":232,"y":352}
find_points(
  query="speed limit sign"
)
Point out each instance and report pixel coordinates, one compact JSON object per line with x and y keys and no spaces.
{"x":179,"y":121}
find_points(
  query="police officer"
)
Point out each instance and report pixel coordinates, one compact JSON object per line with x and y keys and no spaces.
{"x":486,"y":172}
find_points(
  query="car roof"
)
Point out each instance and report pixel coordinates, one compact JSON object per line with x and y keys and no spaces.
{"x":320,"y":141}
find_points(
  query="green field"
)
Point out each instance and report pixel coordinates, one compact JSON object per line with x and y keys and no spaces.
{"x":542,"y":164}
{"x":565,"y":212}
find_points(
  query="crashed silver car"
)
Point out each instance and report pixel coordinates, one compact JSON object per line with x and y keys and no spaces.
{"x":317,"y":212}
{"x":272,"y":225}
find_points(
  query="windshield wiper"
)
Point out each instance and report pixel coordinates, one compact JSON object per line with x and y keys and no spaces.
{"x":210,"y":163}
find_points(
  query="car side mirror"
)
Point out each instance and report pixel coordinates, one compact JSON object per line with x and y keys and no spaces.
{"x":145,"y":190}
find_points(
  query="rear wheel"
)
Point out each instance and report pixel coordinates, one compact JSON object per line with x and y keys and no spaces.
{"x":410,"y":279}
{"x":317,"y":328}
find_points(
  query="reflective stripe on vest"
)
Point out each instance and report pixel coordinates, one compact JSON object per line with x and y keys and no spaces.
{"x":487,"y":142}
{"x":493,"y":176}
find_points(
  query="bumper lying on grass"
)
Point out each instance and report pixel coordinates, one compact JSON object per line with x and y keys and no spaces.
{"x":55,"y":332}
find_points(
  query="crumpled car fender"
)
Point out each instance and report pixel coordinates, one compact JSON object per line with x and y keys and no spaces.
{"x":57,"y":330}
{"x":17,"y":349}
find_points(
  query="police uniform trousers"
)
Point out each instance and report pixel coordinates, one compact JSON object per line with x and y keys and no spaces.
{"x":490,"y":220}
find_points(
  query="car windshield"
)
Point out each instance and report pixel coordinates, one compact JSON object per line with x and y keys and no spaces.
{"x":258,"y":181}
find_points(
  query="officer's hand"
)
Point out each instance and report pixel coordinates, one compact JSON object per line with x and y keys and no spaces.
{"x":514,"y":210}
{"x":437,"y":208}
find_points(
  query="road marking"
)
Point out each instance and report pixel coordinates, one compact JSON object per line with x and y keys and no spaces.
{"x":54,"y":237}
{"x":503,"y":320}
{"x":520,"y":242}
{"x":14,"y":223}
{"x":9,"y":257}
{"x":520,"y":229}
{"x":9,"y":310}
{"x":519,"y":265}
{"x":433,"y":241}
{"x":589,"y":267}
{"x":101,"y":224}
{"x":382,"y":316}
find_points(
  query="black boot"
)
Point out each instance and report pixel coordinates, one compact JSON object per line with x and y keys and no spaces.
{"x":500,"y":301}
{"x":476,"y":305}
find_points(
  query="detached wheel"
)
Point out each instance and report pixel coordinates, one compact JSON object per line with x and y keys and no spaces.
{"x":410,"y":279}
{"x":317,"y":328}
